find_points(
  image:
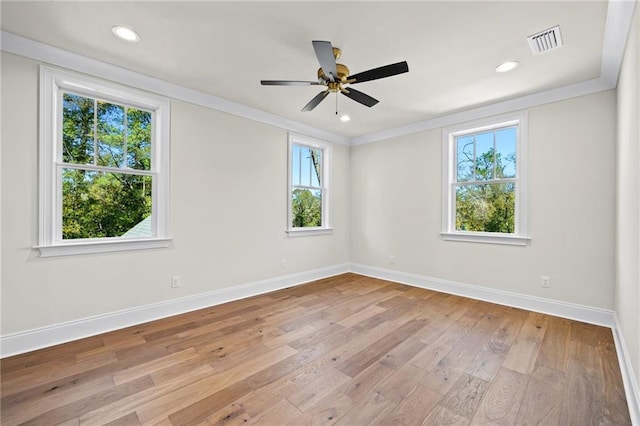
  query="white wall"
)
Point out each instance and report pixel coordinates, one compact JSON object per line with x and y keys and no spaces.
{"x":396,"y":208}
{"x":627,"y":291}
{"x":228,"y":206}
{"x":229,"y":215}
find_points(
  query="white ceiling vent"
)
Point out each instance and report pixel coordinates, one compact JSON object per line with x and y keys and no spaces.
{"x":545,"y":40}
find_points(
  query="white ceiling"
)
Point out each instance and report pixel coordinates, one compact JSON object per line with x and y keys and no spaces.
{"x":225,"y":48}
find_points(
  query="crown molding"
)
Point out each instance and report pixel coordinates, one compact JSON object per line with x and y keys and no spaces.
{"x":42,"y":52}
{"x":561,"y":93}
{"x":617,"y":27}
{"x":616,"y":33}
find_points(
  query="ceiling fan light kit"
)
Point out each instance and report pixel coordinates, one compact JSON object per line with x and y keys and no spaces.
{"x":335,"y":77}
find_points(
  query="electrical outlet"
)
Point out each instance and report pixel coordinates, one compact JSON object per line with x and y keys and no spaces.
{"x":283,"y":264}
{"x":175,"y":281}
{"x":392,"y":259}
{"x":545,"y":281}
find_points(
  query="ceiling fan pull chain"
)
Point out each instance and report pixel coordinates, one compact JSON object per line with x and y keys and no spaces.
{"x":336,"y":103}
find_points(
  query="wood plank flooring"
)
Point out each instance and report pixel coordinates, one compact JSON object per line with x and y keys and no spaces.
{"x":347,"y":350}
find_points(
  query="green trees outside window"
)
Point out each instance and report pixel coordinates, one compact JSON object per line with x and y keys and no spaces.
{"x":106,"y":152}
{"x":485,"y":185}
{"x":306,"y":187}
{"x":306,"y":208}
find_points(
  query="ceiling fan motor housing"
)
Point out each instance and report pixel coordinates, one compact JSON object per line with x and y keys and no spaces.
{"x":343,"y":73}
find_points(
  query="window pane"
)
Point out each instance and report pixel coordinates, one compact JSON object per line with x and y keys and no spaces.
{"x":295,"y":165}
{"x":306,"y":166}
{"x":138,"y":139}
{"x":316,"y":164}
{"x":97,"y":205}
{"x":464,"y":158}
{"x":306,"y":208}
{"x":77,"y":129}
{"x":486,"y":207}
{"x":506,"y":153}
{"x":484,"y":156}
{"x":110,"y":129}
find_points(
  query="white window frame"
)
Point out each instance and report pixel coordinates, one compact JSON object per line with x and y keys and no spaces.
{"x":449,"y":232}
{"x":53,"y":82}
{"x":300,"y":140}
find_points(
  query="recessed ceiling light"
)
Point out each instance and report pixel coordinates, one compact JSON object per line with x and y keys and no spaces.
{"x":507,"y":66}
{"x":344,"y":118}
{"x":125,"y":33}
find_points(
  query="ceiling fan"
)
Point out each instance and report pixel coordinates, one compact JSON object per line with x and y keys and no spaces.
{"x":335,"y":76}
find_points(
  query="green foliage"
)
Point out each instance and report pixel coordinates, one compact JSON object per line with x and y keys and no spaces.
{"x":486,"y":207}
{"x":306,"y":208}
{"x":77,"y":129}
{"x":97,"y":204}
{"x":138,"y":139}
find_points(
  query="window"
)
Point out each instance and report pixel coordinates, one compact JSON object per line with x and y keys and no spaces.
{"x":484,"y":186}
{"x":308,"y":195}
{"x":104,"y":166}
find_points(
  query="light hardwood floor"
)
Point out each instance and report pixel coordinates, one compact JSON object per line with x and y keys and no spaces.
{"x":347,"y":350}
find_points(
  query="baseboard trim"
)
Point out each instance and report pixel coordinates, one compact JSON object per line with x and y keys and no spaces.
{"x":628,"y":378}
{"x":573,"y":311}
{"x":26,"y":341}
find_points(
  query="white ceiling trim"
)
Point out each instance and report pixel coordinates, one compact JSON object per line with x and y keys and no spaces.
{"x":616,"y":33}
{"x":617,"y":27}
{"x":35,"y":50}
{"x":566,"y":92}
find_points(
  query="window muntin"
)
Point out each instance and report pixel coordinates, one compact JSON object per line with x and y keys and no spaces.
{"x":307,"y":195}
{"x":104,"y":166}
{"x":484,"y":182}
{"x":105,"y":133}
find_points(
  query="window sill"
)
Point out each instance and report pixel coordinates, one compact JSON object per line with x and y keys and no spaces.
{"x":488,"y":238}
{"x":304,"y":232}
{"x":89,"y":247}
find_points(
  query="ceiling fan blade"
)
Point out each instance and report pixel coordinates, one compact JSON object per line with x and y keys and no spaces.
{"x":324,"y":53}
{"x":288,"y":83}
{"x":380,"y":72}
{"x":315,"y":101}
{"x":358,"y":96}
